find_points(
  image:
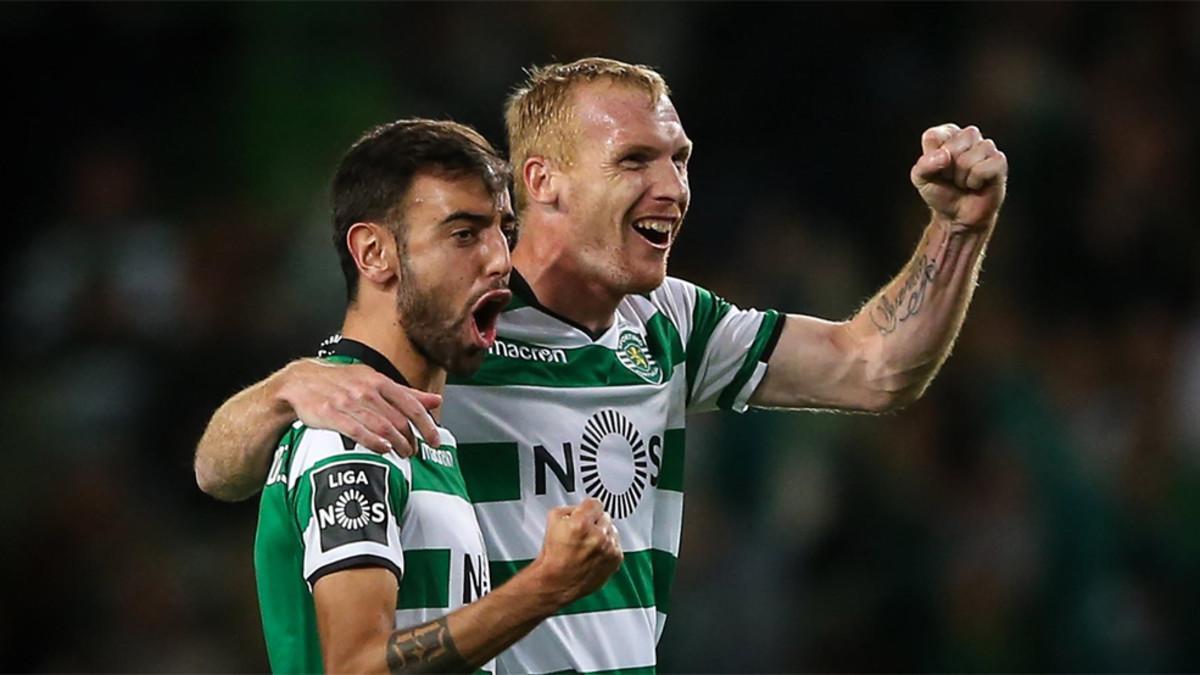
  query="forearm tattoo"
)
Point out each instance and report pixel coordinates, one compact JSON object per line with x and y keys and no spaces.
{"x":887,"y":313}
{"x":428,"y":648}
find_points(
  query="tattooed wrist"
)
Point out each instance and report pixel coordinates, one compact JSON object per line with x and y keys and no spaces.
{"x":428,"y":648}
{"x":888,"y":313}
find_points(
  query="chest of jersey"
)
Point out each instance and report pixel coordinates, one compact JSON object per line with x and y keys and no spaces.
{"x":543,"y":426}
{"x":444,"y":561}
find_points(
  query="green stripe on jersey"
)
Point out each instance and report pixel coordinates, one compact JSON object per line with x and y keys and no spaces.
{"x":426,"y":579}
{"x":671,"y":476}
{"x":492,"y":471}
{"x":430,"y":476}
{"x":664,"y":575}
{"x":707,"y":313}
{"x":588,"y":366}
{"x":643,"y":580}
{"x":765,"y":330}
{"x":663,"y":337}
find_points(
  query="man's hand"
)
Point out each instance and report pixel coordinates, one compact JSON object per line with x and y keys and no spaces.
{"x":361,"y":403}
{"x":580,"y":552}
{"x":960,"y":175}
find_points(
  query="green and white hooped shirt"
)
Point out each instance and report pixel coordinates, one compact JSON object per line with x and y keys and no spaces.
{"x":330,"y":504}
{"x":556,"y":415}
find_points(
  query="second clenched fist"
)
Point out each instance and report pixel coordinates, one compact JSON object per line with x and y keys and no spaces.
{"x":581,"y":549}
{"x":961,"y":175}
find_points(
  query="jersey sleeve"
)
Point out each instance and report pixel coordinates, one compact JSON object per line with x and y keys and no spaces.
{"x":348,"y":505}
{"x":726,"y":347}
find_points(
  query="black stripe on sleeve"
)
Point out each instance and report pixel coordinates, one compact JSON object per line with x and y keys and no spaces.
{"x":769,"y":348}
{"x":355,"y":562}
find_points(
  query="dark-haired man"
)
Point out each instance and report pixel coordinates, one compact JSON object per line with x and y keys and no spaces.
{"x":374,"y":563}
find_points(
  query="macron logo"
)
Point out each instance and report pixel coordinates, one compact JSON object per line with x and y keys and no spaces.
{"x":437,"y":455}
{"x":510,"y":350}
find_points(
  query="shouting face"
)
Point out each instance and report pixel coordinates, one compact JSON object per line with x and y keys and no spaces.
{"x":454,"y":264}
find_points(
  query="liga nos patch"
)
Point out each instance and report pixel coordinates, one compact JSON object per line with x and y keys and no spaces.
{"x":350,"y":504}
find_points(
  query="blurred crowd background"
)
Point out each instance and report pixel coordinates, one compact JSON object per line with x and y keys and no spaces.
{"x":169,"y":243}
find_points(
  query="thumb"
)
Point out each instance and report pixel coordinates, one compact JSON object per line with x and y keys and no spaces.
{"x":930,"y":164}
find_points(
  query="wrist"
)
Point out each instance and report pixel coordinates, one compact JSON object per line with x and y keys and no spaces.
{"x":948,"y":227}
{"x":277,"y":389}
{"x":542,"y":587}
{"x":952,"y":226}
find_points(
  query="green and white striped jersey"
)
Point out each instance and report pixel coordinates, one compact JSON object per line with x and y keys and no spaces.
{"x":330,"y":504}
{"x":555,"y":415}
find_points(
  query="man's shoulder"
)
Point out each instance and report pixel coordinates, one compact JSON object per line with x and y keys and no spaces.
{"x":675,"y":299}
{"x":312,"y":448}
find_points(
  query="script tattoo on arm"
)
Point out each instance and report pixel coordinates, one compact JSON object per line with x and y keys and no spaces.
{"x":428,"y":648}
{"x":887,"y":314}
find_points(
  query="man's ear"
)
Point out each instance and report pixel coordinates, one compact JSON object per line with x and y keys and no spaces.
{"x":542,"y":182}
{"x":373,"y":248}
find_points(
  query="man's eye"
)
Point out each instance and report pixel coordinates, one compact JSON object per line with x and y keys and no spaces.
{"x":463,"y":236}
{"x":512,"y":233}
{"x":635,"y":161}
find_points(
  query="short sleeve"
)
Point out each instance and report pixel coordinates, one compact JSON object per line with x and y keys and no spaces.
{"x":348,"y":508}
{"x":727,"y":351}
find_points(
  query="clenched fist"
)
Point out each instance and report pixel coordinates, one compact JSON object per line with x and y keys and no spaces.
{"x":580,"y":552}
{"x":961,"y":175}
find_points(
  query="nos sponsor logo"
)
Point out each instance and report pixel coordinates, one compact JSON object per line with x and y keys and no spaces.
{"x":477,"y":580}
{"x":350,"y":504}
{"x":616,"y":464}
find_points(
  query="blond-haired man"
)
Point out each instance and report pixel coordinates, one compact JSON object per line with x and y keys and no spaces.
{"x":600,"y":355}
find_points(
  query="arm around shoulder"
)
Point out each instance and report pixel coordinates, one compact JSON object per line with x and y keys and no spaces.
{"x":356,"y":401}
{"x":234,"y":454}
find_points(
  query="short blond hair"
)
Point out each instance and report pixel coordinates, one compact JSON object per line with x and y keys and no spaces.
{"x":538,"y":116}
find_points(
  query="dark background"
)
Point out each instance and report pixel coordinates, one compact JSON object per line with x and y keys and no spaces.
{"x":168,"y":243}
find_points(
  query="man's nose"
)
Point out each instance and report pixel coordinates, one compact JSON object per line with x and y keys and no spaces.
{"x":497,"y":257}
{"x":670,"y":182}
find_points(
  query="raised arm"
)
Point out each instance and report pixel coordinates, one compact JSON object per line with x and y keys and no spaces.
{"x":233,"y":455}
{"x":886,"y":355}
{"x":356,"y":608}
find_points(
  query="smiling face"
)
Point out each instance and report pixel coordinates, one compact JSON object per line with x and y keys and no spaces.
{"x":626,"y":186}
{"x":454,"y":266}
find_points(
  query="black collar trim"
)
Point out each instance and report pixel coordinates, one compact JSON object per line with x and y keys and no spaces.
{"x":336,"y":345}
{"x":518,"y":285}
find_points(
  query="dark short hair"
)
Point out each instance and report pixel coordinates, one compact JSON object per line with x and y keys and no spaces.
{"x":374,"y":176}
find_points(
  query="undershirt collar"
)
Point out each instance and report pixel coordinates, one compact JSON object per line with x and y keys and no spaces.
{"x":336,"y":345}
{"x":522,"y":289}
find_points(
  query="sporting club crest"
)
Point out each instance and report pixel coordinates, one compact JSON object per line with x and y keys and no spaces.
{"x":634,"y":355}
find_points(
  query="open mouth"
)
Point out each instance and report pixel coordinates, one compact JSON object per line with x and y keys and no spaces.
{"x":657,"y":231}
{"x":486,"y":313}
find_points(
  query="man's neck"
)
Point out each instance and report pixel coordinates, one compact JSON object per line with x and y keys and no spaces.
{"x":387,"y":336}
{"x":561,"y":288}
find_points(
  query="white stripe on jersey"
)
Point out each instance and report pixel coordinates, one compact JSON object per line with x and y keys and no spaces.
{"x":625,"y":639}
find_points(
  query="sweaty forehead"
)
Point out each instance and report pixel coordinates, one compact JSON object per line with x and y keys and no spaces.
{"x":615,"y":114}
{"x":433,"y":195}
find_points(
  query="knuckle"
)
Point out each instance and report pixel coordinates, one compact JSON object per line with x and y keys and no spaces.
{"x":379,"y":428}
